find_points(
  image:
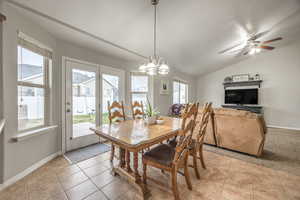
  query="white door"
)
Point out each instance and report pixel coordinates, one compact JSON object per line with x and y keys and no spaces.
{"x":112,"y":89}
{"x":82,"y":103}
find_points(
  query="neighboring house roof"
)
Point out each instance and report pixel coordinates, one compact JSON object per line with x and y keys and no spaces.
{"x":27,"y":71}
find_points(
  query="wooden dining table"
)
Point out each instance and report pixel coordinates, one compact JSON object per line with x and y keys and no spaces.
{"x":134,"y":136}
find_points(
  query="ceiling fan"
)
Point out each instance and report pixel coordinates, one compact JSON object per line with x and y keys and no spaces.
{"x":251,"y":45}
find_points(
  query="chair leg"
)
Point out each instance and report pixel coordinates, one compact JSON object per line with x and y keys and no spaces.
{"x":194,"y":154}
{"x":187,"y":176}
{"x":144,"y":173}
{"x":174,"y":184}
{"x":112,"y":153}
{"x":201,"y":157}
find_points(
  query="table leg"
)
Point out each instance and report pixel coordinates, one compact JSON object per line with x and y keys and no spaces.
{"x":136,"y":166}
{"x":128,"y":161}
{"x":122,"y":157}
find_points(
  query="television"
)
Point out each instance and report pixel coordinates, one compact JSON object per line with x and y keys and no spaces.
{"x":241,"y":96}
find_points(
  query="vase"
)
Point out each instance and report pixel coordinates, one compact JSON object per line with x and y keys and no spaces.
{"x":151,"y":120}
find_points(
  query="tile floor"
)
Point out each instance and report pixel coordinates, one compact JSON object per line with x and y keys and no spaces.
{"x":225,"y":178}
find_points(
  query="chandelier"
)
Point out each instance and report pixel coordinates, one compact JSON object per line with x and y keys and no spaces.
{"x":156,"y":64}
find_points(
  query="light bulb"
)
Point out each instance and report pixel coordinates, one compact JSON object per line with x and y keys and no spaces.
{"x":143,"y":68}
{"x":252,"y":51}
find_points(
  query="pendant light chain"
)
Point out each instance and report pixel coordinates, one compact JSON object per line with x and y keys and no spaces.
{"x":155,"y":31}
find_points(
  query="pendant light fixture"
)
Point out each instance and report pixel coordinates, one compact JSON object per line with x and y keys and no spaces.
{"x":156,"y":64}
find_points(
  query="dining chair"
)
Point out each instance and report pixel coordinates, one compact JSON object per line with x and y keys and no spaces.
{"x":196,"y":147}
{"x":168,"y":158}
{"x":190,"y":112}
{"x":137,"y":109}
{"x":116,"y":114}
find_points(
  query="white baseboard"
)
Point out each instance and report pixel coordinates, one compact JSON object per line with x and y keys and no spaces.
{"x":28,"y":170}
{"x":284,"y":127}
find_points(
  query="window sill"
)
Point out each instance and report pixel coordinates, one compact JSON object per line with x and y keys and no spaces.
{"x":37,"y":132}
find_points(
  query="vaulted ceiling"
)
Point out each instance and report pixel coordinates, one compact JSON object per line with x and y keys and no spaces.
{"x":190,"y":32}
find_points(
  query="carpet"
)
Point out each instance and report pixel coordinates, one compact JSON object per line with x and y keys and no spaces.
{"x":85,"y":153}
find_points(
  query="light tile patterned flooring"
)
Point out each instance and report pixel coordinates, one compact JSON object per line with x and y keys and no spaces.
{"x":225,"y":178}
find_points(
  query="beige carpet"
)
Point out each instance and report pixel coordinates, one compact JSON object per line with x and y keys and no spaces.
{"x":282,"y":151}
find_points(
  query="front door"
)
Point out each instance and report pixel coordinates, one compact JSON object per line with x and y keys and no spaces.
{"x":82,"y":112}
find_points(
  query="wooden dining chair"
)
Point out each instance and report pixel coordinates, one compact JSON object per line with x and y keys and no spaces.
{"x":190,"y":113}
{"x":137,"y":109}
{"x":168,"y":158}
{"x":116,"y":114}
{"x":196,"y":147}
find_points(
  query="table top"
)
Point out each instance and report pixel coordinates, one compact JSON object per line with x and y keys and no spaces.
{"x":136,"y":133}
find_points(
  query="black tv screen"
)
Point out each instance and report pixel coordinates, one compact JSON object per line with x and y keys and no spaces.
{"x":241,"y":96}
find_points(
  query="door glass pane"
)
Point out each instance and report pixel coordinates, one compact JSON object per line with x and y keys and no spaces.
{"x":84,"y":101}
{"x":30,"y":107}
{"x":30,"y":66}
{"x":176,"y":92}
{"x":110,"y":92}
{"x":183,"y":93}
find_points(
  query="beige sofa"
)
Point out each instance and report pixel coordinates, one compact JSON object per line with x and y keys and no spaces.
{"x":237,"y":130}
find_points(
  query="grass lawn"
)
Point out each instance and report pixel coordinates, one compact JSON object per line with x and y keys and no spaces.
{"x":89,"y":118}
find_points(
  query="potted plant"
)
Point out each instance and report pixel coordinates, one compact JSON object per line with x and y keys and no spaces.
{"x":151,"y":113}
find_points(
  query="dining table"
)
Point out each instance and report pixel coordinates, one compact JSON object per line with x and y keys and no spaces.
{"x":134,"y":137}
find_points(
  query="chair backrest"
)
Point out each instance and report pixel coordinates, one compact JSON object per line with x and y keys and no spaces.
{"x":137,"y":110}
{"x":207,"y":112}
{"x":116,"y":112}
{"x":185,"y":139}
{"x":190,"y":113}
{"x":186,"y":133}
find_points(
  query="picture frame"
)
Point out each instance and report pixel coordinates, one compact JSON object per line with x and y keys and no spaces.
{"x":164,"y":87}
{"x":240,"y":77}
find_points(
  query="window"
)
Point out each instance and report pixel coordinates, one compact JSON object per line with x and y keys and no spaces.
{"x":180,"y":92}
{"x":139,"y":88}
{"x":33,"y":85}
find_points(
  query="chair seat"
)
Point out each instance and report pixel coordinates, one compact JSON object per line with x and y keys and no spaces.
{"x":162,"y":154}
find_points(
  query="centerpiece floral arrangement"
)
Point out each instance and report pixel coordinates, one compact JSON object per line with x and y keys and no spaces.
{"x":151,"y":113}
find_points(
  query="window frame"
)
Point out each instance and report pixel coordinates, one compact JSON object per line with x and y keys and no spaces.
{"x":47,"y":62}
{"x":186,"y":91}
{"x":148,"y":93}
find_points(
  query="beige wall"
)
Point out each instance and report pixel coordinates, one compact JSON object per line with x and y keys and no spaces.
{"x":18,"y":156}
{"x":279,"y":94}
{"x":1,"y":103}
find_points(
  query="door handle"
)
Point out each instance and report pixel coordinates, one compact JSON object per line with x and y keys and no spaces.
{"x":68,"y":110}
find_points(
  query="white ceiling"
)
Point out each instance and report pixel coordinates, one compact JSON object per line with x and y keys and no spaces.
{"x":190,"y":32}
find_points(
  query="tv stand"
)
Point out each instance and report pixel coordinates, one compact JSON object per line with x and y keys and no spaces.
{"x":253,"y":108}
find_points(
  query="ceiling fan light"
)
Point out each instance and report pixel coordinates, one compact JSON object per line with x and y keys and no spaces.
{"x":252,"y":51}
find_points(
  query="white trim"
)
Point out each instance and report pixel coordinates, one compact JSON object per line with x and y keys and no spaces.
{"x":28,"y":170}
{"x":284,"y":127}
{"x":28,"y":134}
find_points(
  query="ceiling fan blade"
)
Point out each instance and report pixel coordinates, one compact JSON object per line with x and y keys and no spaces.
{"x":258,"y":35}
{"x":234,"y":51}
{"x":228,"y":49}
{"x":266,"y":47}
{"x":243,"y":51}
{"x":273,"y":40}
